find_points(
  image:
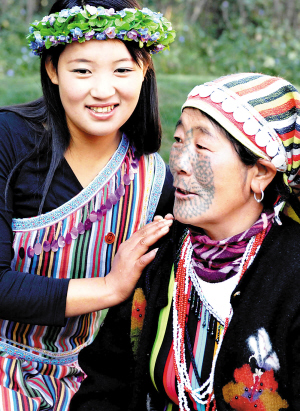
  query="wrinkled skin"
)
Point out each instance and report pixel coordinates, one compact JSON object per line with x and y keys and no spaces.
{"x":213,"y":185}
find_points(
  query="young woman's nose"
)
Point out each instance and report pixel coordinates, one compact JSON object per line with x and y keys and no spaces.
{"x":102,"y":87}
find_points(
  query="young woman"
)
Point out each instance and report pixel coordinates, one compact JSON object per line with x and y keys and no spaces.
{"x":77,"y":179}
{"x":228,"y":331}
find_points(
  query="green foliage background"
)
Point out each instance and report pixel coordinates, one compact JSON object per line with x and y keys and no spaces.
{"x":214,"y":37}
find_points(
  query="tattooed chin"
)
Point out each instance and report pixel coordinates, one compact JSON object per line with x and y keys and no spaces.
{"x":193,"y":207}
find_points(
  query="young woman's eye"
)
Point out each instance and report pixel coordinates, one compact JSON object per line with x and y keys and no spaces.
{"x":81,"y":71}
{"x":123,"y":70}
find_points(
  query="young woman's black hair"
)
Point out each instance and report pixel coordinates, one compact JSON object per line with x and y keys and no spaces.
{"x":46,"y":116}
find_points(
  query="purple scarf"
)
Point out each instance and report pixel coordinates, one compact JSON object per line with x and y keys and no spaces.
{"x":216,"y":261}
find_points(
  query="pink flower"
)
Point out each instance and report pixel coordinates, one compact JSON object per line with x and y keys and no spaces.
{"x":132,"y":34}
{"x":89,"y":35}
{"x":110,"y":32}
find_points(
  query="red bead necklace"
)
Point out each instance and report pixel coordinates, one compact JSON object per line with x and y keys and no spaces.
{"x":204,"y":394}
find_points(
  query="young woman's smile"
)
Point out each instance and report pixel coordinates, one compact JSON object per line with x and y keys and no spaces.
{"x":99,"y":85}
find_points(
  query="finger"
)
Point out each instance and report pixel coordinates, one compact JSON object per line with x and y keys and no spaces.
{"x":149,"y":229}
{"x":152,"y":237}
{"x":146,"y":259}
{"x":158,"y":218}
{"x":169,"y":216}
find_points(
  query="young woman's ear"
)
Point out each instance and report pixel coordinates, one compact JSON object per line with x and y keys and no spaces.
{"x":145,"y":68}
{"x":51,"y":70}
{"x":265,"y":172}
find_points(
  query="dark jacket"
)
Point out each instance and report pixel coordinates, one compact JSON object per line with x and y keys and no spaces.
{"x":258,"y":366}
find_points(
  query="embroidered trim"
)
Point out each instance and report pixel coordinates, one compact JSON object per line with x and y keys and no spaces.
{"x":48,"y":357}
{"x":157,"y":186}
{"x":54,"y":216}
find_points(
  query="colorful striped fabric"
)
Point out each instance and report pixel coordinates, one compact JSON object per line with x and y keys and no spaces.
{"x":260,"y":111}
{"x":203,"y":334}
{"x":217,"y":260}
{"x":39,"y":367}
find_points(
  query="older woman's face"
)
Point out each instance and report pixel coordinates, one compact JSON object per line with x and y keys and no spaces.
{"x":212,"y":184}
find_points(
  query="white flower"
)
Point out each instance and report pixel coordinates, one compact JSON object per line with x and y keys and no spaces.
{"x":91,"y":9}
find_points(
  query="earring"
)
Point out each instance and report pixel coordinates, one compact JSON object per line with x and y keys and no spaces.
{"x":259,"y":200}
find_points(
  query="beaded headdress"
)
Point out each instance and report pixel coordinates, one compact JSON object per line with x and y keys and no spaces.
{"x":262,"y":112}
{"x":80,"y":24}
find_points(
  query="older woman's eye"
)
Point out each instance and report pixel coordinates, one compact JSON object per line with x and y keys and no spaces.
{"x":200,"y":147}
{"x":177,"y":139}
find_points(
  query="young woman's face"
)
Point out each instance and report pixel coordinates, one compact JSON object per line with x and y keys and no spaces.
{"x":213,"y":186}
{"x":99,"y":85}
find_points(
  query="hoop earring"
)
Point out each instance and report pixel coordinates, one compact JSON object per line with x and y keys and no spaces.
{"x":259,"y":200}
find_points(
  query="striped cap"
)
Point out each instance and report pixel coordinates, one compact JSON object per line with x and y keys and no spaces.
{"x":261,"y":112}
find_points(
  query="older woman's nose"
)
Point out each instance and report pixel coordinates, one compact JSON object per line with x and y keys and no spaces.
{"x":181,"y":160}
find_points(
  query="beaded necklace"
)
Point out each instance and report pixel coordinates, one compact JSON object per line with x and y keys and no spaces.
{"x":204,"y":394}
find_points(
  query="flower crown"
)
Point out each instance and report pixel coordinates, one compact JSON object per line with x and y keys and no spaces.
{"x":90,"y":22}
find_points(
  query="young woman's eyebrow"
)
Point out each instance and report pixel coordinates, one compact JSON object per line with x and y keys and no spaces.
{"x":80,"y":61}
{"x":124,"y":59}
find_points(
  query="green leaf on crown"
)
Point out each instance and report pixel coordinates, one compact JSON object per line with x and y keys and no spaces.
{"x":100,"y":23}
{"x":125,"y":26}
{"x":61,"y":19}
{"x":48,"y":44}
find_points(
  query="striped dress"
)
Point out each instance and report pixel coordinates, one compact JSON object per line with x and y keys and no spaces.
{"x":39,"y":367}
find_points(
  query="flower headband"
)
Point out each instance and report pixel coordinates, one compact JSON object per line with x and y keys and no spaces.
{"x":80,"y":24}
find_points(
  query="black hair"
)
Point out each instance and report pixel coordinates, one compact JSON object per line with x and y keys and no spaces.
{"x":276,"y":188}
{"x":46,"y":115}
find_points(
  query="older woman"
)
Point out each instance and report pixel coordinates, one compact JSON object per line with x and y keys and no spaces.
{"x":228,"y":334}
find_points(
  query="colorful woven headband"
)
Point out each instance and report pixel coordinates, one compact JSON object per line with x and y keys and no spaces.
{"x":80,"y":24}
{"x":261,"y":112}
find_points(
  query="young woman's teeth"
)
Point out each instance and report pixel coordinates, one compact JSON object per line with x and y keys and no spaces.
{"x":106,"y":109}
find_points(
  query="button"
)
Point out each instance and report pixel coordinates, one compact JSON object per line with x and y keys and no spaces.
{"x":251,"y":127}
{"x":110,"y":238}
{"x":262,"y":138}
{"x":278,"y":160}
{"x":272,"y":148}
{"x":229,"y":105}
{"x":205,"y":91}
{"x":218,"y":96}
{"x":241,"y":115}
{"x":195,"y":91}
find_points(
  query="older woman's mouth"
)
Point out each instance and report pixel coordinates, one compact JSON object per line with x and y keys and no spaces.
{"x":181,"y":193}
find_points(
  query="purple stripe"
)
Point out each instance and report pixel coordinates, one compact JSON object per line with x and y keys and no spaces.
{"x":216,"y":261}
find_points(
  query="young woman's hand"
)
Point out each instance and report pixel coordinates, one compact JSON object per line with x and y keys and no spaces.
{"x":132,"y":258}
{"x":93,"y":294}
